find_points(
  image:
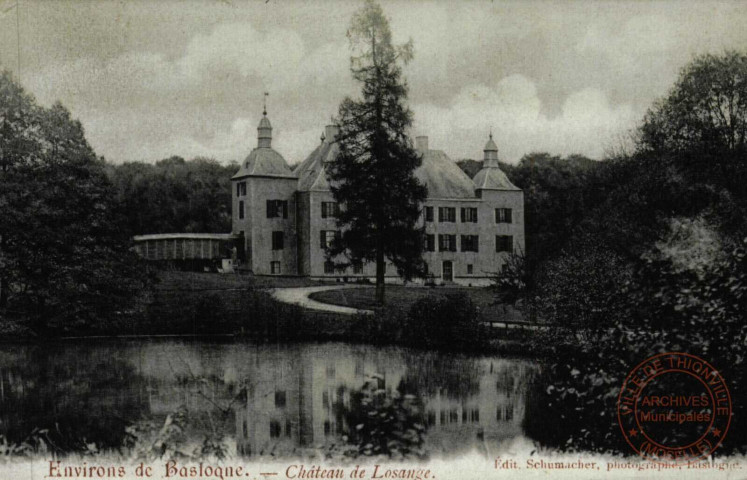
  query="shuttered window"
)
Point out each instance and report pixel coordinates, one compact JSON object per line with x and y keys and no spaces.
{"x":330,"y":209}
{"x":504,"y":243}
{"x":503,"y":215}
{"x":470,"y":243}
{"x":447,"y":214}
{"x":430,"y":242}
{"x":326,"y":237}
{"x":277,"y":209}
{"x":329,"y":267}
{"x":428,"y":214}
{"x":469,"y":214}
{"x":447,"y":243}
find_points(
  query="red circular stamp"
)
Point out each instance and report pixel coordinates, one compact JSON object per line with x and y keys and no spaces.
{"x":674,"y":408}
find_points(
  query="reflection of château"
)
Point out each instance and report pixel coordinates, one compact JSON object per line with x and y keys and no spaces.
{"x":295,"y":396}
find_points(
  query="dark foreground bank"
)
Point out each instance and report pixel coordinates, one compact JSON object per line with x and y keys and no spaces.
{"x":197,"y":304}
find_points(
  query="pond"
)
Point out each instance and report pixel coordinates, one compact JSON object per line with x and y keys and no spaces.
{"x":253,"y":399}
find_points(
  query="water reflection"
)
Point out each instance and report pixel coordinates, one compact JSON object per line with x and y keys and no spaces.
{"x":268,"y":400}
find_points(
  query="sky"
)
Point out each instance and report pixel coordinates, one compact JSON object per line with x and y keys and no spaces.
{"x":149,"y":80}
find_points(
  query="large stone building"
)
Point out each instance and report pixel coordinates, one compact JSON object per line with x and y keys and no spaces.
{"x":285,"y":216}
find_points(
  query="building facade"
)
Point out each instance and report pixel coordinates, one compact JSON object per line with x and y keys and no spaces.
{"x":284,"y":217}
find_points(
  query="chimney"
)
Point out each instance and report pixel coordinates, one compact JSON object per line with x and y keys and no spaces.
{"x":331,"y":132}
{"x":421,"y":143}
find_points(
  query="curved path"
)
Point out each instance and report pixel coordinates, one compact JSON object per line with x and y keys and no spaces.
{"x":300,"y":296}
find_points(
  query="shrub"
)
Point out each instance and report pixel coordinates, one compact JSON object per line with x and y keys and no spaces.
{"x":449,"y":322}
{"x":385,"y":326}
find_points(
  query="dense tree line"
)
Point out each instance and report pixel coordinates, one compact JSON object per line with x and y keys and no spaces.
{"x":64,"y":258}
{"x":174,"y":195}
{"x":558,"y":193}
{"x":639,"y":255}
{"x":67,"y":218}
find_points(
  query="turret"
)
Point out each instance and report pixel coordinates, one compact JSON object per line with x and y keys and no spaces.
{"x":264,"y":132}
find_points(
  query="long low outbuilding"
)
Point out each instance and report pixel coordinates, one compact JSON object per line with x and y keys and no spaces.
{"x":185,"y":246}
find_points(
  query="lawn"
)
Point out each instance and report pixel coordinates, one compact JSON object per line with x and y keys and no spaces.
{"x":404,"y":296}
{"x":178,"y":280}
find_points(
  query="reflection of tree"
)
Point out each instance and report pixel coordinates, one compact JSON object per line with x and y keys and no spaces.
{"x":383,"y":423}
{"x":72,"y":398}
{"x":456,"y":376}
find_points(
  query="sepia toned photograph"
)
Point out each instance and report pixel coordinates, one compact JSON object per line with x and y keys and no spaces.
{"x":373,"y":239}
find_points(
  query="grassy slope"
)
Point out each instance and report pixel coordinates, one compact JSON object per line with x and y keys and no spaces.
{"x":172,"y":280}
{"x":403,"y":298}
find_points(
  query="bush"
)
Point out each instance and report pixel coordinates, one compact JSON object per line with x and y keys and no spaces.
{"x":385,"y":326}
{"x":449,"y":322}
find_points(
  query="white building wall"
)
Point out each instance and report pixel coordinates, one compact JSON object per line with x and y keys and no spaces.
{"x":260,"y":228}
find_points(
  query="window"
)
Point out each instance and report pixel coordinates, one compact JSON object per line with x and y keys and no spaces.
{"x":241,"y":209}
{"x":470,"y":243}
{"x":277,"y":240}
{"x":240,"y":189}
{"x":447,"y":243}
{"x":474,"y":415}
{"x":431,"y":418}
{"x":502,"y":215}
{"x":357,"y":269}
{"x":469,"y":214}
{"x":453,"y":415}
{"x":274,"y":429}
{"x":277,"y":208}
{"x":326,"y":237}
{"x":430,"y":242}
{"x":330,"y":209}
{"x":329,"y":267}
{"x":428,"y":214}
{"x":504,"y":243}
{"x":331,"y":371}
{"x":470,"y":270}
{"x":325,"y":399}
{"x":287,"y":427}
{"x":275,"y":268}
{"x":279,"y":398}
{"x":447,"y":214}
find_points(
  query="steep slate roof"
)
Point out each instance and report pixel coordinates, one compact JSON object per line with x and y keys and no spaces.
{"x":310,"y":172}
{"x":493,"y":178}
{"x":443,"y":177}
{"x":264,"y":162}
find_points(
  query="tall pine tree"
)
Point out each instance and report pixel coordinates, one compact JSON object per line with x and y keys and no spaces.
{"x":373,"y":175}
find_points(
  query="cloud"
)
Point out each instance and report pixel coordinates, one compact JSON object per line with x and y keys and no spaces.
{"x":152,"y":80}
{"x":196,"y":103}
{"x":513,"y":109}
